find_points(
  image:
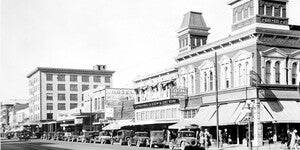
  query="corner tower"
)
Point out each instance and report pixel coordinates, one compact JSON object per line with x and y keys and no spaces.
{"x":259,"y":13}
{"x":193,"y":32}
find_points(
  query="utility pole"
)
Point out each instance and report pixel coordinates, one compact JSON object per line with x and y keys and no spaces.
{"x":217,"y":98}
{"x":91,"y":114}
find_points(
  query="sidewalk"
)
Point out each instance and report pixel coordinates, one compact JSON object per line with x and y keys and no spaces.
{"x":277,"y":146}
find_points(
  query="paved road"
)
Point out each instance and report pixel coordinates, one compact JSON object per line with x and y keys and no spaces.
{"x":62,"y":145}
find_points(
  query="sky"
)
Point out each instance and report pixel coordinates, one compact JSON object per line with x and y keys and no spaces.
{"x":131,"y":37}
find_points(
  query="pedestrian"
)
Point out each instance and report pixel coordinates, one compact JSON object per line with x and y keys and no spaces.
{"x":294,"y":139}
{"x":289,"y":137}
{"x":207,"y":137}
{"x":201,"y":138}
{"x":225,"y":136}
{"x":283,"y":137}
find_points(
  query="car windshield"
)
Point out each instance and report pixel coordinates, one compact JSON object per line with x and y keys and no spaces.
{"x":157,"y":134}
{"x":188,"y":134}
{"x":141,"y":134}
{"x":119,"y":133}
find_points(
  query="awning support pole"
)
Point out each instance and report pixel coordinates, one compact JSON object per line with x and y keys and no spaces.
{"x":217,"y":100}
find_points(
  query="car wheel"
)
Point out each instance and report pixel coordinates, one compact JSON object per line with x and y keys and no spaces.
{"x":182,"y":145}
{"x":129,"y":142}
{"x":138,"y":143}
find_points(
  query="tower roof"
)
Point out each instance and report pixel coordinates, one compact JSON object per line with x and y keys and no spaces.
{"x":193,"y":20}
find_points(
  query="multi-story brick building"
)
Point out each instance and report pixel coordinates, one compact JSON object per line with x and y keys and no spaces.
{"x":257,"y":66}
{"x":54,"y":90}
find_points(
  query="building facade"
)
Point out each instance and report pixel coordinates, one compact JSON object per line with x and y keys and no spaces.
{"x":257,"y":66}
{"x":55,"y":90}
{"x":157,"y":99}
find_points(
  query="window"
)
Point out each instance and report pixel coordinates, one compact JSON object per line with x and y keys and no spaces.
{"x":174,"y":113}
{"x":95,"y":104}
{"x":102,"y":103}
{"x":73,"y":105}
{"x":73,"y":87}
{"x":240,"y":75}
{"x":157,"y":114}
{"x":277,"y":72}
{"x":226,"y":72}
{"x":49,"y":116}
{"x":211,"y":81}
{"x":61,"y":77}
{"x":205,"y":81}
{"x":169,"y":112}
{"x":61,"y":97}
{"x":247,"y":77}
{"x":294,"y":73}
{"x":107,"y":86}
{"x":97,"y":79}
{"x":107,"y":79}
{"x":85,"y":87}
{"x":73,"y":78}
{"x":61,"y":106}
{"x":49,"y":87}
{"x":183,"y":82}
{"x":49,"y":106}
{"x":268,"y":72}
{"x":85,"y":78}
{"x":73,"y":97}
{"x":49,"y":96}
{"x":61,"y":87}
{"x":192,"y":84}
{"x":49,"y":77}
{"x":95,"y":86}
{"x":246,"y":13}
{"x":163,"y":113}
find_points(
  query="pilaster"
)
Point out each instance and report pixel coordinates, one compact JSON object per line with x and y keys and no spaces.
{"x":257,"y":125}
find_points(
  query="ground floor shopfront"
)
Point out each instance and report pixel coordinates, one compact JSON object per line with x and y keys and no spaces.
{"x":270,"y":111}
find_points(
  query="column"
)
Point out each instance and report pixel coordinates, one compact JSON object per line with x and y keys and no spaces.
{"x":257,"y":125}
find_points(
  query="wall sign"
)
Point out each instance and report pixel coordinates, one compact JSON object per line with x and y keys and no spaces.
{"x":156,"y":103}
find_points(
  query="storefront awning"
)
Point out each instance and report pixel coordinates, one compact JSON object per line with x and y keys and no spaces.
{"x":280,"y":111}
{"x":118,"y":124}
{"x":184,"y":124}
{"x":153,"y":122}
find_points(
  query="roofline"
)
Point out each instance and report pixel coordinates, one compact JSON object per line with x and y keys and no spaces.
{"x":68,"y":70}
{"x":155,"y":74}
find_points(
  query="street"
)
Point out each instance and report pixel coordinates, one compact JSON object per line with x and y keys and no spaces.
{"x":62,"y":145}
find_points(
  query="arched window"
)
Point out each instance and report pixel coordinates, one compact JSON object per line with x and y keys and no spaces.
{"x":226,"y":73}
{"x":268,"y":72}
{"x":240,"y":74}
{"x":205,"y":81}
{"x":265,"y":9}
{"x":211,"y":78}
{"x":183,"y":82}
{"x":247,"y":73}
{"x":294,"y":73}
{"x":277,"y":72}
{"x":192,"y":84}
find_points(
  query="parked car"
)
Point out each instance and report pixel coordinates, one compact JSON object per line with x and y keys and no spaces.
{"x":157,"y":138}
{"x":184,"y":139}
{"x":104,"y":137}
{"x":58,"y":136}
{"x":24,"y":135}
{"x":67,"y":136}
{"x":89,"y":136}
{"x":123,"y":136}
{"x":139,"y":138}
{"x":50,"y":135}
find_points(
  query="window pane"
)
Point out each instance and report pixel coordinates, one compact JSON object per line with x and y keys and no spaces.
{"x":61,"y":106}
{"x":73,"y":105}
{"x":60,"y":77}
{"x":107,"y":79}
{"x":49,"y":77}
{"x":61,"y":97}
{"x":49,"y":106}
{"x":49,"y":87}
{"x":73,"y":78}
{"x":97,"y":79}
{"x":85,"y":87}
{"x":61,"y":87}
{"x":49,"y":115}
{"x":49,"y":96}
{"x":73,"y":87}
{"x":73,"y":97}
{"x":85,"y":78}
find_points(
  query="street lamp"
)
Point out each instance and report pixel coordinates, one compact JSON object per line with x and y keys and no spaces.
{"x":249,"y":110}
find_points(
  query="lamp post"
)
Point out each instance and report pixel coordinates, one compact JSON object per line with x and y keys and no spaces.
{"x":249,"y":108}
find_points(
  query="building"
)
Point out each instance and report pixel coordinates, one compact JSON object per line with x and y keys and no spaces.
{"x":56,"y":90}
{"x":14,"y":113}
{"x":256,"y":68}
{"x":157,"y":100}
{"x":4,"y":117}
{"x":108,"y":104}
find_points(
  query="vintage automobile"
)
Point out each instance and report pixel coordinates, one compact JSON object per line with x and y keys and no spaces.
{"x":50,"y":135}
{"x":89,"y":136}
{"x":139,"y":138}
{"x":157,"y":138}
{"x":122,"y":137}
{"x":103,"y":138}
{"x":184,"y":139}
{"x":58,"y":136}
{"x":24,"y":135}
{"x":67,"y":136}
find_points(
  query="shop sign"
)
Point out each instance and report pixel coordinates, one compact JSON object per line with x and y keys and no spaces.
{"x":178,"y":93}
{"x":156,"y":103}
{"x":78,"y":121}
